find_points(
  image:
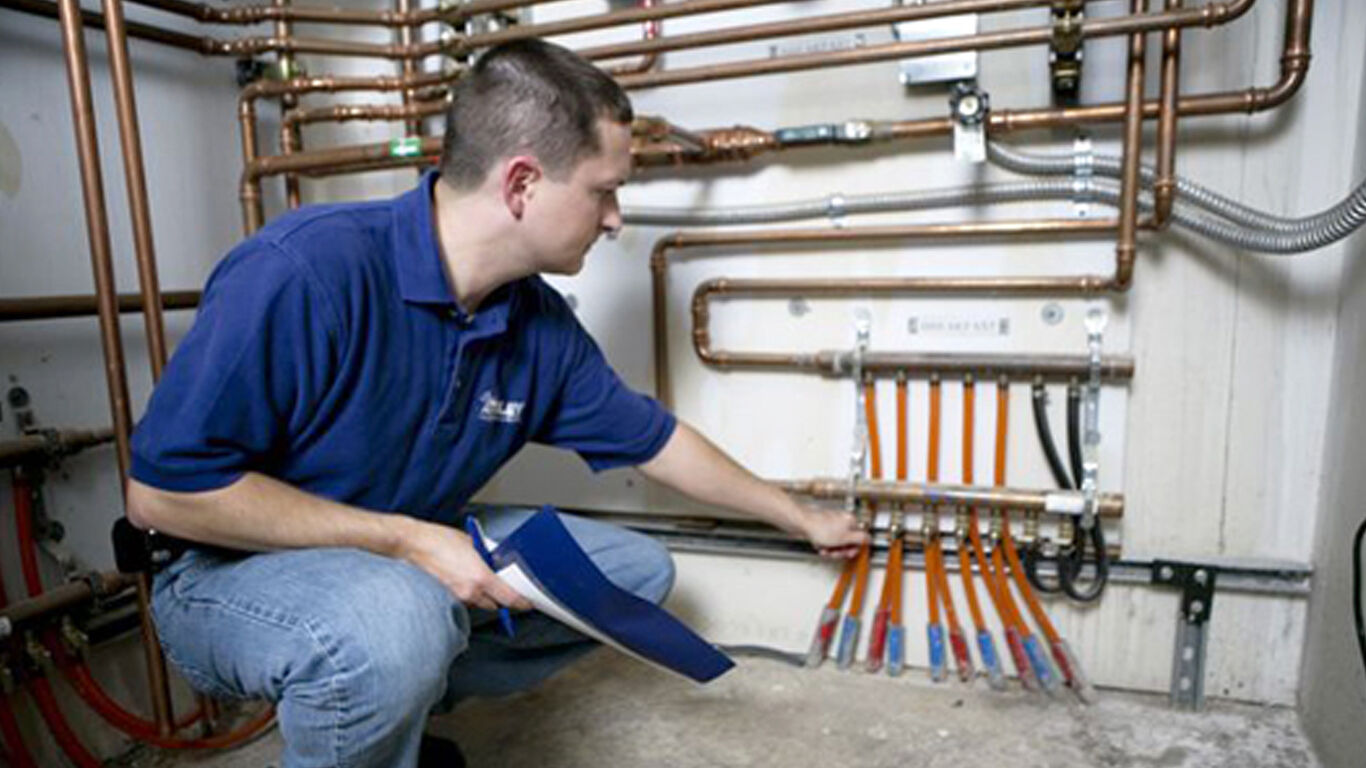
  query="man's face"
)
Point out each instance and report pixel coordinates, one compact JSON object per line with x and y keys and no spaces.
{"x":567,"y":214}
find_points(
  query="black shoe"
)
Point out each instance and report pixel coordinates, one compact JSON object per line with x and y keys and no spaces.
{"x":439,"y":753}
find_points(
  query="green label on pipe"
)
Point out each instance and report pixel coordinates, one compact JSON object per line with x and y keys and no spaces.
{"x":408,"y":147}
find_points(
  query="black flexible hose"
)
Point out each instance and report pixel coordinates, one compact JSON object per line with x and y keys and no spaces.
{"x":1069,"y":571}
{"x":1050,"y":449}
{"x":1074,"y":430}
{"x":1356,"y":591}
{"x":1030,"y":556}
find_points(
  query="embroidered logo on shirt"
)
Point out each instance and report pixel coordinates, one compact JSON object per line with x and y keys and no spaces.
{"x":493,"y":409}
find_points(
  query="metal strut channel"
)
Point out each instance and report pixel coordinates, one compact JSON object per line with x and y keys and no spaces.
{"x":1196,"y":582}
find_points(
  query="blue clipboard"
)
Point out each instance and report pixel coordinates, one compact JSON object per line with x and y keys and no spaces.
{"x":547,"y":554}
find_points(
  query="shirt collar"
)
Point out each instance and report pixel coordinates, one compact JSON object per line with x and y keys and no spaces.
{"x":417,"y":258}
{"x":421,"y":279}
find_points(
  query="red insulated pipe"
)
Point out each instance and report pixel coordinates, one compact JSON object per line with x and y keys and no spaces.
{"x":18,"y":753}
{"x":23,"y":524}
{"x":90,"y":691}
{"x":56,"y":722}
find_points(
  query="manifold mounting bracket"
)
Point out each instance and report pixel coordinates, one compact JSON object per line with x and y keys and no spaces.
{"x":1196,"y":582}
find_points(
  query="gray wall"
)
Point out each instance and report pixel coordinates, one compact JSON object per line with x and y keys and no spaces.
{"x":1333,"y":685}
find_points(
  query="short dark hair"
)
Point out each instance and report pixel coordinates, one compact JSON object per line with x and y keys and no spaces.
{"x":532,"y":96}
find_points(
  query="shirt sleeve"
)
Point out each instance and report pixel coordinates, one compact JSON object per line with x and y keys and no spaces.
{"x":596,"y":415}
{"x":243,"y":382}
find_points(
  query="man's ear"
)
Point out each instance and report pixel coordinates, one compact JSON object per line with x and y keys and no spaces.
{"x":520,"y":175}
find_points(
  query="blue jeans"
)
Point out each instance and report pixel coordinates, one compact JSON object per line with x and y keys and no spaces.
{"x":356,"y":650}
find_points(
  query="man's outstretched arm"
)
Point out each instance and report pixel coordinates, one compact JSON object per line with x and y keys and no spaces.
{"x":691,"y":464}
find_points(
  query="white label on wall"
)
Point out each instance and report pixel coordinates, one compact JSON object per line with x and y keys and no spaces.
{"x":958,"y":325}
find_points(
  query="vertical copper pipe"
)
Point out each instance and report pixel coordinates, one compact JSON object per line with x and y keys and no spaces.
{"x":289,"y":144}
{"x":408,"y":68}
{"x":649,"y":31}
{"x":135,"y":178}
{"x":249,"y":190}
{"x":1133,"y":151}
{"x":1164,"y":185}
{"x":97,"y":223}
{"x":102,"y":264}
{"x":659,"y":288}
{"x":288,"y":101}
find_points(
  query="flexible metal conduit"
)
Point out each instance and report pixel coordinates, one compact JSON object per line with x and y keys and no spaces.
{"x":1311,"y":231}
{"x":1290,"y":236}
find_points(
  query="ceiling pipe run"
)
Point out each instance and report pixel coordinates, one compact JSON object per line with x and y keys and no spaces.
{"x":742,"y":144}
{"x":1294,"y":66}
{"x":809,"y":25}
{"x":1210,"y":15}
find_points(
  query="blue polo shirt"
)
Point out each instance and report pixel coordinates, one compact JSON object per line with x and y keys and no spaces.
{"x":329,"y":352}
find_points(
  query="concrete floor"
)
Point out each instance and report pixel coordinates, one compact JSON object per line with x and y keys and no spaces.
{"x":614,"y":711}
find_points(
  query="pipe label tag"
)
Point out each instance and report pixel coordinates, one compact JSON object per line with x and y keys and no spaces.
{"x":979,"y":326}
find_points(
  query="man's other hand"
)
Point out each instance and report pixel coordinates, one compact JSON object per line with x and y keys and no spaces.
{"x":449,"y":555}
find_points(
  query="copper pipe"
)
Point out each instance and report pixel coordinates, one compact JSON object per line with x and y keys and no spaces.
{"x":1085,"y":285}
{"x":937,"y":494}
{"x":1207,"y":16}
{"x":677,"y":241}
{"x":330,"y":84}
{"x":289,"y":135}
{"x":253,"y":212}
{"x":407,"y":67}
{"x":135,"y":180}
{"x":252,"y":46}
{"x":50,"y":307}
{"x":456,"y":46}
{"x":249,"y":191}
{"x":96,"y":20}
{"x":647,"y":130}
{"x":1294,"y":67}
{"x":805,"y":26}
{"x":838,"y":363}
{"x":50,"y":444}
{"x":1125,"y":248}
{"x":248,"y":46}
{"x":325,"y":161}
{"x":97,"y":226}
{"x":636,"y":15}
{"x":1165,"y":184}
{"x":255,"y":14}
{"x":338,"y":113}
{"x":63,"y":598}
{"x":97,"y":223}
{"x":1295,"y":57}
{"x":650,"y":31}
{"x":453,"y":13}
{"x":291,"y":139}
